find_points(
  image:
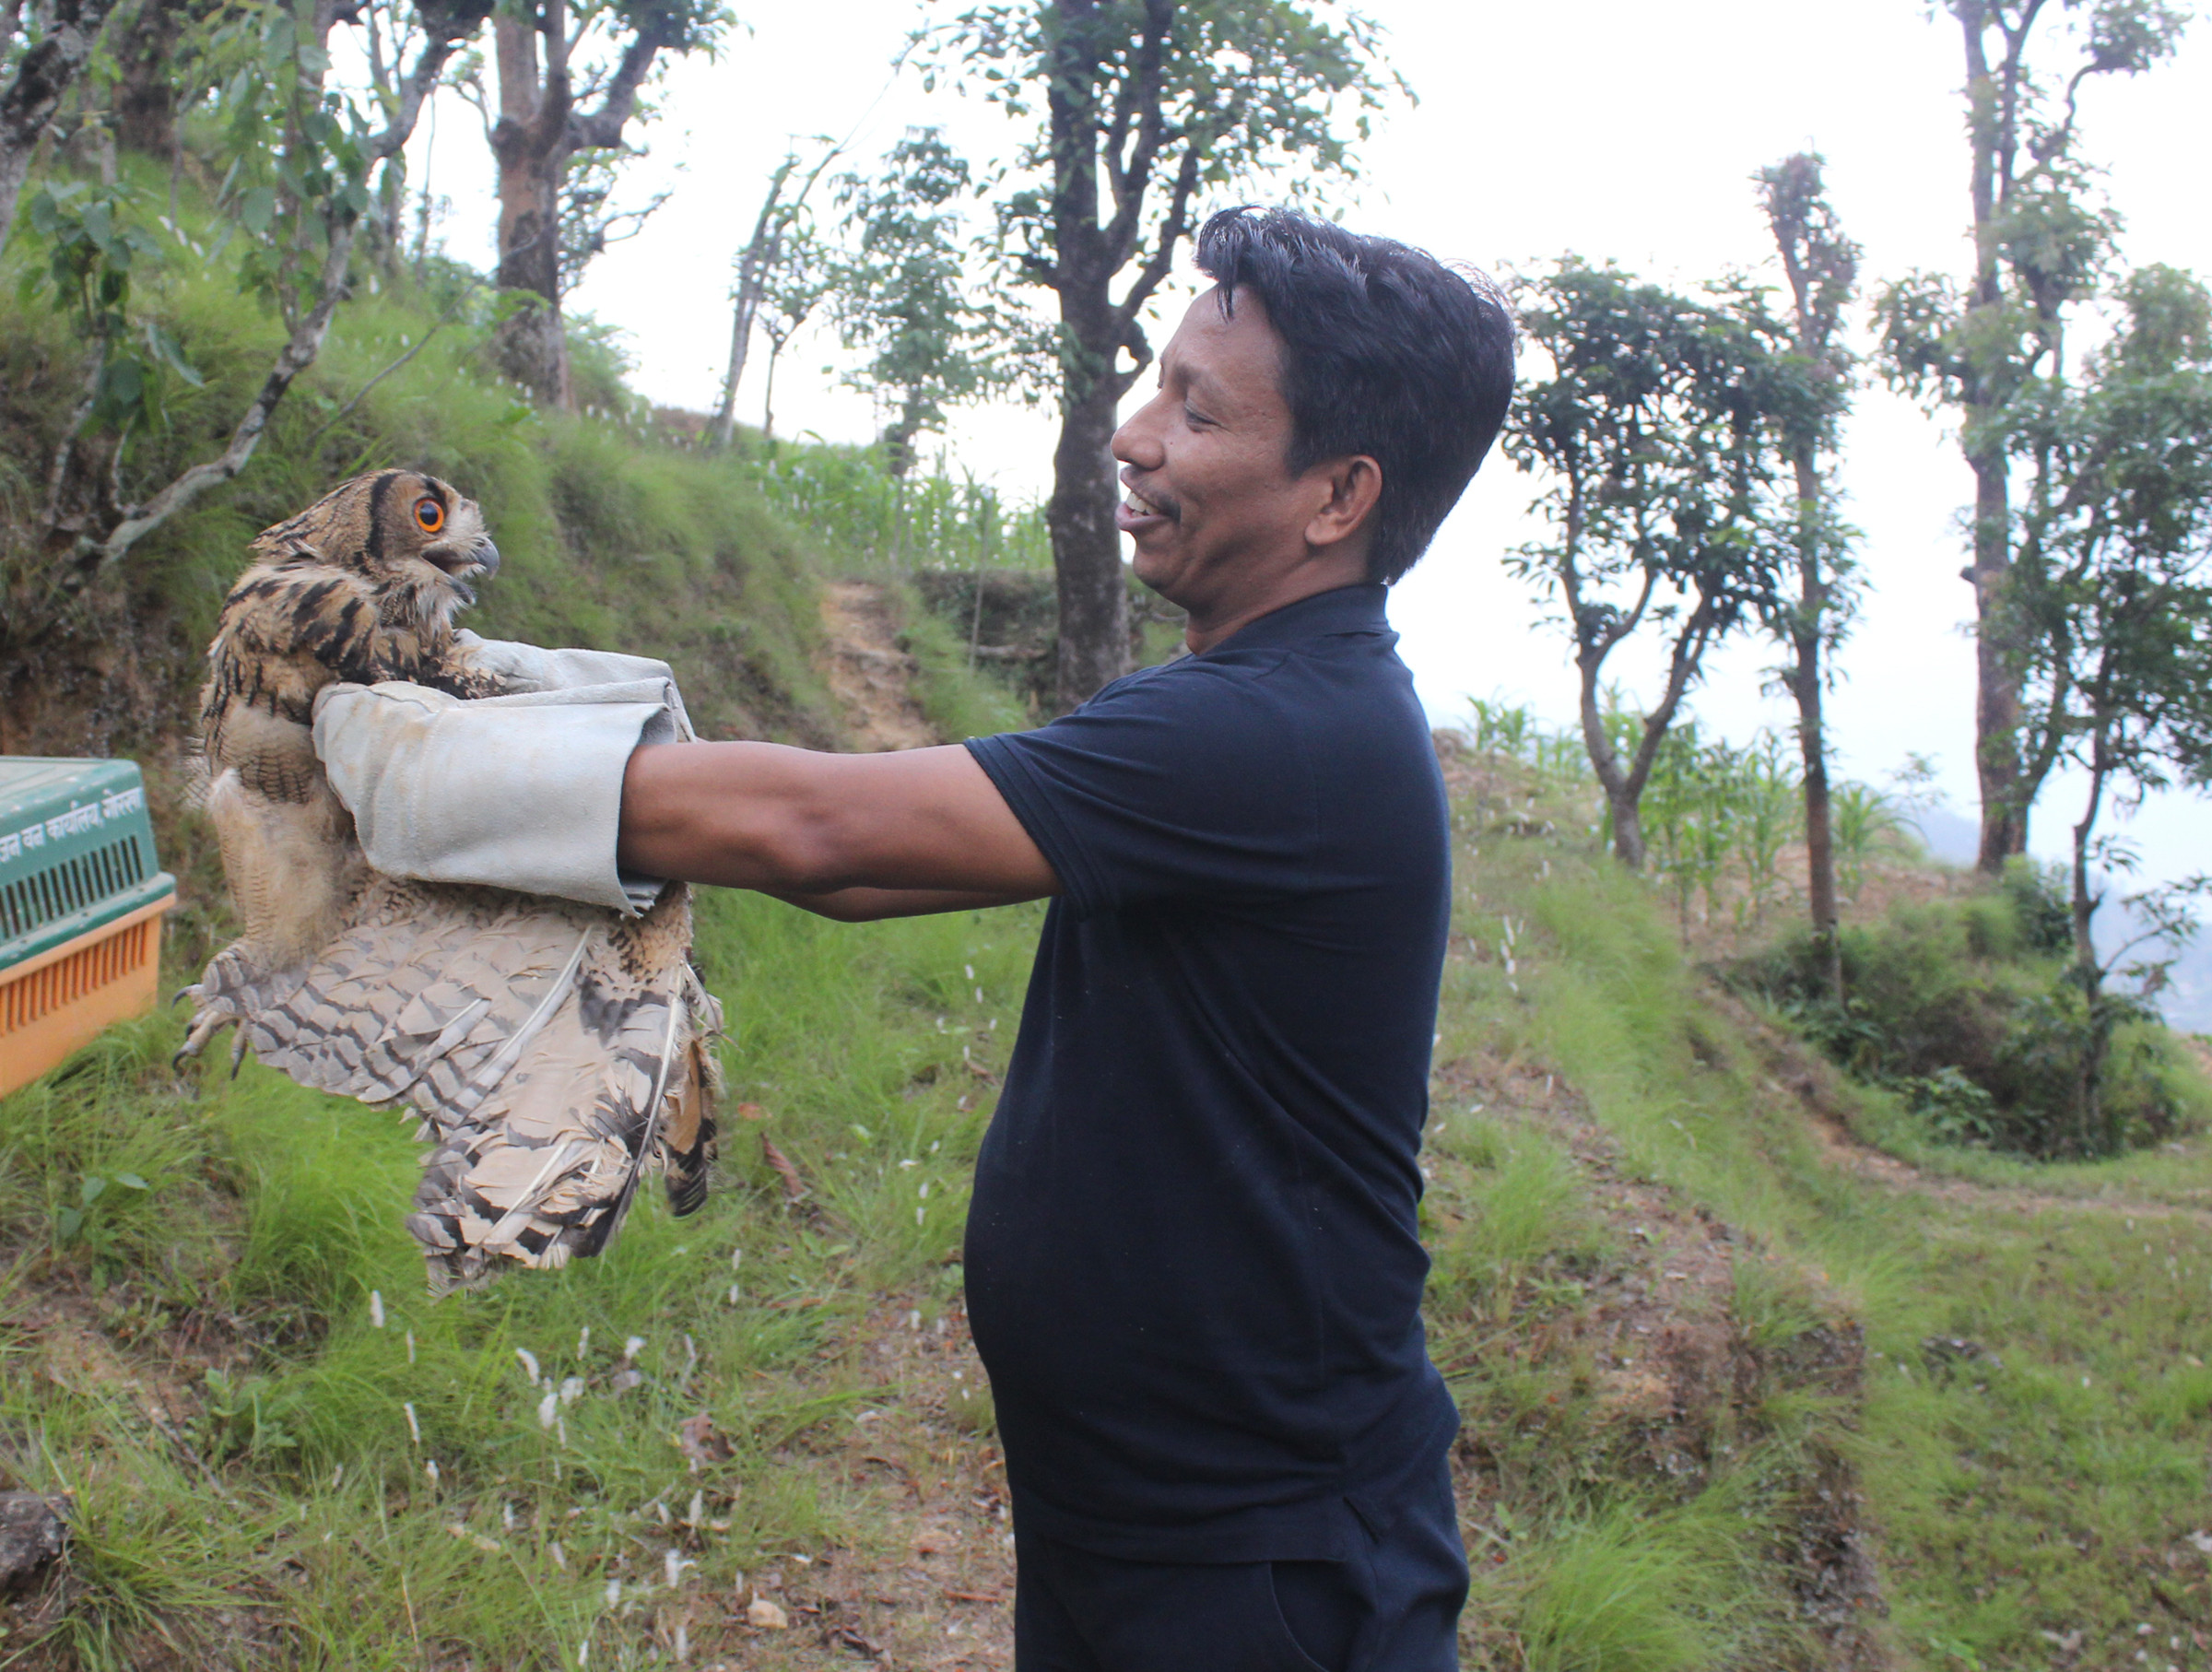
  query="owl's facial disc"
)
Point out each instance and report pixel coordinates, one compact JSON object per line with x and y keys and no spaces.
{"x":461,"y":549}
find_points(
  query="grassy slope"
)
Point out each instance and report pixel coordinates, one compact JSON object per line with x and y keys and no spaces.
{"x":1651,"y":1278}
{"x":2034,"y":1417}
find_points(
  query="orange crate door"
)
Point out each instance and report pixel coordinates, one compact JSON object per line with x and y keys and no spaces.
{"x":55,"y":1003}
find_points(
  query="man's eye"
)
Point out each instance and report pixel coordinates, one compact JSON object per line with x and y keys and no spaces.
{"x":1195,"y":417}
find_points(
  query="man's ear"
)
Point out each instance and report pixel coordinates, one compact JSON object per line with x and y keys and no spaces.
{"x":1354,"y":485}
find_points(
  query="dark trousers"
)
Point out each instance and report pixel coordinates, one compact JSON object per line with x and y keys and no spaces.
{"x":1395,"y":1609}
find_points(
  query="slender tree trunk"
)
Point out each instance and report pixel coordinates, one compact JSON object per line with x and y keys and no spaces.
{"x":529,"y":144}
{"x":1623,"y":791}
{"x":1996,"y":663}
{"x":1812,"y":742}
{"x":2088,"y":972}
{"x":1992,"y":99}
{"x":768,"y":395}
{"x":1087,"y":547}
{"x":28,"y":101}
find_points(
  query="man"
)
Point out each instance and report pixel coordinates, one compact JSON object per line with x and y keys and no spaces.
{"x":1193,"y":1261}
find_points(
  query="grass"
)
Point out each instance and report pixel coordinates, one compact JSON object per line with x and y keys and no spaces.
{"x":329,"y":1387}
{"x":2007,"y":1400}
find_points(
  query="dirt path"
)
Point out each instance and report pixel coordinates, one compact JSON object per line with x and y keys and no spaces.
{"x":1796,"y":1074}
{"x":870,"y":675}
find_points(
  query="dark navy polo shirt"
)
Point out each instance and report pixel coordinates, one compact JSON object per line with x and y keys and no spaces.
{"x":1193,"y":1266}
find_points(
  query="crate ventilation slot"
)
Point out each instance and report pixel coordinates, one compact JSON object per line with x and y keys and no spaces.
{"x":79,"y":881}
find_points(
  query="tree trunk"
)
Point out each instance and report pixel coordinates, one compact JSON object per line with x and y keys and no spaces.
{"x":1991,"y":128}
{"x":530,"y":147}
{"x":1812,"y":742}
{"x":28,"y":103}
{"x":1623,"y":791}
{"x":144,"y":102}
{"x":1087,"y":547}
{"x":1996,"y":679}
{"x":2088,"y":972}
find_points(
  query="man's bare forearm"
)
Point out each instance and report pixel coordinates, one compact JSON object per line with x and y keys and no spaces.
{"x":873,"y":905}
{"x":797,"y":823}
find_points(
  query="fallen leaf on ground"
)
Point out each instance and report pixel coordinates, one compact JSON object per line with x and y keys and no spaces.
{"x":766,"y":1615}
{"x":751,"y":1111}
{"x":794,"y":1187}
{"x":700,"y":1440}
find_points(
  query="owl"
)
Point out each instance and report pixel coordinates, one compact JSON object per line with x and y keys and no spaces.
{"x":552,"y":1050}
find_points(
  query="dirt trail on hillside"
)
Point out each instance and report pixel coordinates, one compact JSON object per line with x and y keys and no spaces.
{"x":1795,"y":1072}
{"x":870,"y":676}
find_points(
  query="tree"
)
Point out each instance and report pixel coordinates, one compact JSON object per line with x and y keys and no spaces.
{"x":1980,"y":345}
{"x":1144,"y":101}
{"x":2115,"y":596}
{"x":297,"y":185}
{"x":901,"y":293}
{"x":40,"y":59}
{"x":1822,"y":266}
{"x":543,"y":123}
{"x":762,"y":259}
{"x":1656,"y":436}
{"x":790,"y":292}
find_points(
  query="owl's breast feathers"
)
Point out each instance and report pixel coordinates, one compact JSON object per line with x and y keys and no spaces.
{"x":291,"y":627}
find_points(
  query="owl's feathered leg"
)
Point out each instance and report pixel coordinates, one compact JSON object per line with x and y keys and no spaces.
{"x":293,"y":868}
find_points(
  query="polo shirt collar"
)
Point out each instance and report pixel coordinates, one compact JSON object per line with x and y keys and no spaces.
{"x":1345,"y":609}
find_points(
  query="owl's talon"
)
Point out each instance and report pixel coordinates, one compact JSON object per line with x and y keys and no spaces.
{"x":205,"y":1027}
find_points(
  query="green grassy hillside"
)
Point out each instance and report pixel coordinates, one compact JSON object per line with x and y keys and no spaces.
{"x":1741,"y":1391}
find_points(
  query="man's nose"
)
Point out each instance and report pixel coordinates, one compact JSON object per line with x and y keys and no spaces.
{"x":1137,"y":441}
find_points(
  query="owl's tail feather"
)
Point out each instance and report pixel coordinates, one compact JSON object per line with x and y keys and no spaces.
{"x":689,"y":1128}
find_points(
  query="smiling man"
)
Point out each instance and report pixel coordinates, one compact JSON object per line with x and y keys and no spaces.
{"x":1193,"y":1268}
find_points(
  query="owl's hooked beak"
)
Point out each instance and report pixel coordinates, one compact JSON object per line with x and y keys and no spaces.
{"x":481,"y":558}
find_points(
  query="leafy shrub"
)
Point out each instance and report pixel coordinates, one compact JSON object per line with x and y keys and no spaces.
{"x":1967,"y":1011}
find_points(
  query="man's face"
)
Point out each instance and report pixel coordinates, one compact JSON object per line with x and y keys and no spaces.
{"x":1210,"y":506}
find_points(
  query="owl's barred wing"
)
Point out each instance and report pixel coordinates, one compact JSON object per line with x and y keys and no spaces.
{"x":544,"y":1043}
{"x":546,"y":1167}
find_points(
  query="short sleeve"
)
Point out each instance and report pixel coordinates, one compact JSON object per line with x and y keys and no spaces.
{"x":1187,"y":781}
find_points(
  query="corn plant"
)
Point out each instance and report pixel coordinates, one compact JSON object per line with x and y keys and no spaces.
{"x":1765,"y":787}
{"x":1864,"y":818}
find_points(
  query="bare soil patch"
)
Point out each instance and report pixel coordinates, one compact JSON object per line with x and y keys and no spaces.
{"x":871,"y":678}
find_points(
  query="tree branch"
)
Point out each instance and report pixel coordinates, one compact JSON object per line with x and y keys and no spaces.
{"x":28,"y":101}
{"x":602,"y":130}
{"x":1133,"y":180}
{"x":298,"y":354}
{"x":1172,"y":227}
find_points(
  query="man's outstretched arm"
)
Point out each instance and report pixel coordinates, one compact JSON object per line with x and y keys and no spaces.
{"x":848,"y":836}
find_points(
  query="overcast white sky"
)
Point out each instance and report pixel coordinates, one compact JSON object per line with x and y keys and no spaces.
{"x":1611,"y":128}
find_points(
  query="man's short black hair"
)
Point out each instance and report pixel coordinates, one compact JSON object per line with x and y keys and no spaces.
{"x":1386,"y":351}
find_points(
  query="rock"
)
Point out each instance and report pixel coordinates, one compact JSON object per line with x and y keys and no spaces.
{"x":32,"y":1535}
{"x":768,"y":1616}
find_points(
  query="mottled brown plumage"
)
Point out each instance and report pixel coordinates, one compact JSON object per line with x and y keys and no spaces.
{"x":551,"y":1049}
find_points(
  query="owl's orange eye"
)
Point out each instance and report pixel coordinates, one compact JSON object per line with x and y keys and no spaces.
{"x":429,"y":515}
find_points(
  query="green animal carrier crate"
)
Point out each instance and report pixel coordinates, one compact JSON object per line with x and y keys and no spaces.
{"x":81,"y":900}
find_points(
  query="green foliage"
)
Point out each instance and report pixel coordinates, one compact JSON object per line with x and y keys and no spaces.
{"x":870,"y":520}
{"x":96,"y":247}
{"x":1708,"y":807}
{"x":1658,"y":440}
{"x":1964,"y":1010}
{"x":900,"y":294}
{"x":1634,"y":1591}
